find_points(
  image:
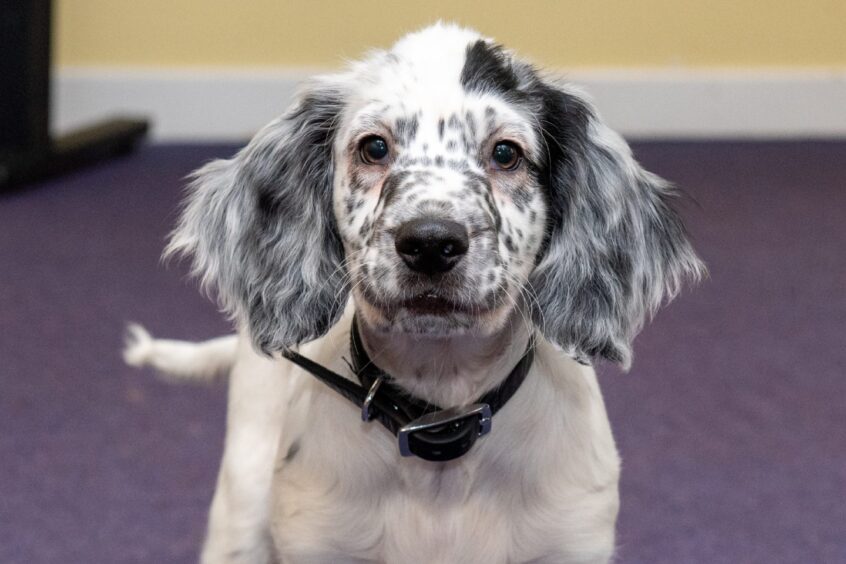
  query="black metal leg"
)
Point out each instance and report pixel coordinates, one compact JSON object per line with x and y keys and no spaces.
{"x":27,"y":152}
{"x":82,"y":147}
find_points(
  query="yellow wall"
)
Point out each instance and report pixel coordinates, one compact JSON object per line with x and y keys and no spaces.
{"x":573,"y":33}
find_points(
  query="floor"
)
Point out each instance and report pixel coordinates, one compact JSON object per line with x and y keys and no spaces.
{"x":731,"y":424}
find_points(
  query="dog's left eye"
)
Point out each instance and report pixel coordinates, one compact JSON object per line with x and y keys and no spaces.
{"x":506,"y":156}
{"x":374,"y":149}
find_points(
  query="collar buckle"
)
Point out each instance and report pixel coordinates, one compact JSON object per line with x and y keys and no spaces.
{"x":365,"y":406}
{"x":446,"y":434}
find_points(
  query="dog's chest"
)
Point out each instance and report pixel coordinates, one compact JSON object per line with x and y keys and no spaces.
{"x":422,"y":515}
{"x":458,"y":514}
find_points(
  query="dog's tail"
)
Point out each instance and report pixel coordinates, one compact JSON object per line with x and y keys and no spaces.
{"x":180,"y":361}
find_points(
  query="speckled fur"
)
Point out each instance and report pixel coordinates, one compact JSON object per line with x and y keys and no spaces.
{"x":572,"y":250}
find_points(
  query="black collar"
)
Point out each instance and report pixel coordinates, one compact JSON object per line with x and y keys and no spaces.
{"x":423,"y":429}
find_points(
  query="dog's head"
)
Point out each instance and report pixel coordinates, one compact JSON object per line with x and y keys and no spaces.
{"x":445,"y":184}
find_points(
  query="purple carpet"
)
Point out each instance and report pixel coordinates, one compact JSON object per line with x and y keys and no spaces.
{"x":732,"y":423}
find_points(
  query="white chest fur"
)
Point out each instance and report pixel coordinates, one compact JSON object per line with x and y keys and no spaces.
{"x":541,"y":487}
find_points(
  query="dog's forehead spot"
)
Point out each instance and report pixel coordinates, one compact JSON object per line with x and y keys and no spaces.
{"x":405,"y":129}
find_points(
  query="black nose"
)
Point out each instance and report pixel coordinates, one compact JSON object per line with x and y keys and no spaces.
{"x":431,"y":246}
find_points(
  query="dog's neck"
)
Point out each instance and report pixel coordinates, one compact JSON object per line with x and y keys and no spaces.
{"x":448,"y":371}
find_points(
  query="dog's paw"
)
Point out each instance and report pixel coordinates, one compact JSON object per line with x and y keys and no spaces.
{"x":138,"y":345}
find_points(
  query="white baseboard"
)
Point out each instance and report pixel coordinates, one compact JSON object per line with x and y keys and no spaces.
{"x":230,"y":105}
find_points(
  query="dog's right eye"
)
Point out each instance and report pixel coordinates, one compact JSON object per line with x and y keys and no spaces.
{"x":506,"y":156}
{"x":374,"y":150}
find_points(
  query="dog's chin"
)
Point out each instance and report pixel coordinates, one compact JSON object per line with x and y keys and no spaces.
{"x":429,"y":315}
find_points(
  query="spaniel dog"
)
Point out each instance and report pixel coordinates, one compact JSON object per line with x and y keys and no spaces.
{"x":445,"y":222}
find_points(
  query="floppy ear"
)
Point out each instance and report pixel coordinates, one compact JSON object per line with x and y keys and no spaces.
{"x":261,"y":230}
{"x":616,"y":249}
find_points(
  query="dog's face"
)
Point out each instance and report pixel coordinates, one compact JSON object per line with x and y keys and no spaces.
{"x":445,"y":184}
{"x":437,"y":196}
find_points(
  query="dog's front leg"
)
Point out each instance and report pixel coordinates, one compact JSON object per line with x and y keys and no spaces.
{"x":259,"y":392}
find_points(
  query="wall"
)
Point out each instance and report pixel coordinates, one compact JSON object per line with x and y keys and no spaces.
{"x":647,"y":62}
{"x":555,"y":33}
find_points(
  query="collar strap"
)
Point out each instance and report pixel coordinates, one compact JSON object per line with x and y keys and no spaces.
{"x":422,"y":429}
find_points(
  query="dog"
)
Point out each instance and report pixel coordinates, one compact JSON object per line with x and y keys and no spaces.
{"x":473,"y":226}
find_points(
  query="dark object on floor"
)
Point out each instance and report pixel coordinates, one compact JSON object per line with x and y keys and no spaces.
{"x":27,"y":152}
{"x":730,"y":423}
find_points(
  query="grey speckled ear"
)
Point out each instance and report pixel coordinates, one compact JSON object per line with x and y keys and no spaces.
{"x":260,"y":227}
{"x":616,"y":249}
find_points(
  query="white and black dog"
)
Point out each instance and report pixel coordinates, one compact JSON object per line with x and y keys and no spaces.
{"x":481,"y":236}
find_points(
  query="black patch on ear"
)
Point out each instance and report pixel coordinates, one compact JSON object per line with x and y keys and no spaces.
{"x":564,"y":133}
{"x":487,"y":68}
{"x":615,"y":248}
{"x":266,"y":204}
{"x":261,"y":229}
{"x":314,"y":118}
{"x":293,"y":187}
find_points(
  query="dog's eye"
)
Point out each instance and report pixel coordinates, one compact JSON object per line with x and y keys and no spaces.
{"x":374,"y":149}
{"x":506,"y":156}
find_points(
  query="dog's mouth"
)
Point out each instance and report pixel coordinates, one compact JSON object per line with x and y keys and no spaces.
{"x":431,"y":312}
{"x":432,"y":303}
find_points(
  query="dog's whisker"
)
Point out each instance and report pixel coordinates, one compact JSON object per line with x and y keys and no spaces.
{"x":518,"y":306}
